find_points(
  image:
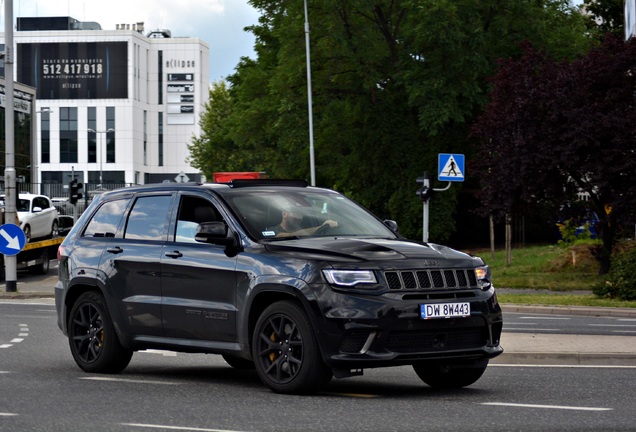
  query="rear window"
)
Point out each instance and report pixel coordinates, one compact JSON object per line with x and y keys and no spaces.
{"x":106,"y":219}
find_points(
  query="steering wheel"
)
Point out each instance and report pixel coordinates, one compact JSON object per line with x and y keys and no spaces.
{"x":324,"y":229}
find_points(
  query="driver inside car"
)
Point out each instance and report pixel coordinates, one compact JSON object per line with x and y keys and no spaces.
{"x":291,"y":224}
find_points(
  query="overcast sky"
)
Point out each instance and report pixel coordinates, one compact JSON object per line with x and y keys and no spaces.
{"x":219,"y":23}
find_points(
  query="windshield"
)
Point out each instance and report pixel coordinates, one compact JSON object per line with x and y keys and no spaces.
{"x":22,"y":205}
{"x":295,"y":212}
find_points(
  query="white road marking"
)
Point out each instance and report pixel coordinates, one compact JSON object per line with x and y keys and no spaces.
{"x":611,"y":325}
{"x":561,"y":407}
{"x":544,"y":318}
{"x":6,"y":345}
{"x":17,"y":340}
{"x":162,"y":352}
{"x":7,"y":414}
{"x":143,"y":425}
{"x":125,"y":380}
{"x":561,"y":366}
{"x":527,"y":329}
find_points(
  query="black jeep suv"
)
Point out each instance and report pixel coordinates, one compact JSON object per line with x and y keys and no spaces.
{"x":298,"y":282}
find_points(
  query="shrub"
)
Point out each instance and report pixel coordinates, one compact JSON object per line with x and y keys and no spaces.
{"x":620,"y":282}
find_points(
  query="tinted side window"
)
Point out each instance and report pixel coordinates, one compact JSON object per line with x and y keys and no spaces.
{"x":106,"y":219}
{"x":149,"y":218}
{"x":40,"y":202}
{"x":192,"y":212}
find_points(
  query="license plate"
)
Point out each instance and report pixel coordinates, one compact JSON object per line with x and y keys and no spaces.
{"x":444,"y":310}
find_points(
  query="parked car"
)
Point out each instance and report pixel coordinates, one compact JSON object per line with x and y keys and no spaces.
{"x":37,"y":216}
{"x":298,"y":282}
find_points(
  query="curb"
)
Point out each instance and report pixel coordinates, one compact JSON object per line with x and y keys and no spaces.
{"x":565,"y":359}
{"x":571,"y":310}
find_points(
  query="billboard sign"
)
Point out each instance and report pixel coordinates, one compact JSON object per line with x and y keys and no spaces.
{"x":75,"y":70}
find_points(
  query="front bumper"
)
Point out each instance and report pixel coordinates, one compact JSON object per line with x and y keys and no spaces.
{"x":361,"y":331}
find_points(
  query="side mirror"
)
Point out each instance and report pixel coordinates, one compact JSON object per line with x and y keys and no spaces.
{"x":214,"y":233}
{"x":392,"y":225}
{"x":37,"y":209}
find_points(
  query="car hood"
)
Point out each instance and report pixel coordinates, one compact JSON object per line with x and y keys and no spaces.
{"x":373,"y":249}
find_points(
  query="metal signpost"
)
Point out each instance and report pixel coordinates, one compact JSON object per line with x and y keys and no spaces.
{"x":451,"y":169}
{"x":10,"y":261}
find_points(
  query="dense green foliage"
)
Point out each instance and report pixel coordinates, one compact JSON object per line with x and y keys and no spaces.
{"x":564,"y":127}
{"x":395,"y":83}
{"x":620,"y":282}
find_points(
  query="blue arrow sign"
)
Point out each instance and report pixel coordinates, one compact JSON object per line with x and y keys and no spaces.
{"x":12,"y":239}
{"x":450,"y":167}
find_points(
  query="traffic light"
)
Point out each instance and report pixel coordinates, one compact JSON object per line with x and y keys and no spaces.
{"x":426,"y":191}
{"x":73,"y":191}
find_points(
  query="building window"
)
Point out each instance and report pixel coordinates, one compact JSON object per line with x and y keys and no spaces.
{"x":68,"y":135}
{"x":145,"y":137}
{"x":45,"y":135}
{"x":92,"y":136}
{"x":160,"y":76}
{"x":110,"y":136}
{"x":160,"y":144}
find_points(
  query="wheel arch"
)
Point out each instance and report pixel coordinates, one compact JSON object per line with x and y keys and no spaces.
{"x":269,"y":294}
{"x":80,"y":287}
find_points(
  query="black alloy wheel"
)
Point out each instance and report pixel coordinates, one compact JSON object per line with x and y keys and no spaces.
{"x":285,"y":351}
{"x":92,"y":339}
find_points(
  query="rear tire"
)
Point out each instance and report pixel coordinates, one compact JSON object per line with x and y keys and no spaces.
{"x":286,"y":352}
{"x":42,"y":268}
{"x":450,"y":376}
{"x":27,"y":233}
{"x":92,"y":338}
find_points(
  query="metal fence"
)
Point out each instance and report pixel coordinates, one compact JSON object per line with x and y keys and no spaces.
{"x":59,"y":193}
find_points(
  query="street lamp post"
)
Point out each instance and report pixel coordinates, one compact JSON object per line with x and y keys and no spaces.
{"x":312,"y":164}
{"x":101,"y":155}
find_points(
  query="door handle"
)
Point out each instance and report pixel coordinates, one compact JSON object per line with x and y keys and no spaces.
{"x":174,"y":254}
{"x":115,"y":250}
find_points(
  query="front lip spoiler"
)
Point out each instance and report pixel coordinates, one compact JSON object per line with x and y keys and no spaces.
{"x":373,"y":359}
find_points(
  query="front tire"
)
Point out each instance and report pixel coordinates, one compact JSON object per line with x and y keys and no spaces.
{"x":450,"y":376}
{"x":92,"y":338}
{"x":285,"y":350}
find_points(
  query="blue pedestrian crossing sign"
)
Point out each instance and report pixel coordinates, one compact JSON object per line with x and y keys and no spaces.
{"x":12,"y":239}
{"x":450,"y":167}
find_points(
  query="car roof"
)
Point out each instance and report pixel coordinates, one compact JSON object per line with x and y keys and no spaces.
{"x":220,"y":188}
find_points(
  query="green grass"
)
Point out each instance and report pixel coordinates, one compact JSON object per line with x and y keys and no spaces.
{"x":555,"y":273}
{"x":543,"y":267}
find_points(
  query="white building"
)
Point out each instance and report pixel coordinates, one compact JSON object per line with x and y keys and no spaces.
{"x":113,"y":107}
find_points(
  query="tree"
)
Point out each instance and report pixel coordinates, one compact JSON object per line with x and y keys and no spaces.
{"x":606,"y":16}
{"x":556,"y":128}
{"x":395,"y":82}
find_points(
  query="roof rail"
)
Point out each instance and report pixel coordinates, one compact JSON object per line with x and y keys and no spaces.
{"x":240,"y":183}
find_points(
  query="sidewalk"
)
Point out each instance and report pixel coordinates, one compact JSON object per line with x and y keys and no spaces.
{"x":519,"y":348}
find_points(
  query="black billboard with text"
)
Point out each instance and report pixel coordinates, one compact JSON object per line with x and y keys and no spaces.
{"x":83,"y":70}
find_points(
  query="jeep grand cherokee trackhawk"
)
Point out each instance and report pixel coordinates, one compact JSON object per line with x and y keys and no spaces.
{"x":298,"y":282}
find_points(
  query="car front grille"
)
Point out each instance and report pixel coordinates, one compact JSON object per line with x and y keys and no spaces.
{"x":418,"y":341}
{"x":430,"y":279}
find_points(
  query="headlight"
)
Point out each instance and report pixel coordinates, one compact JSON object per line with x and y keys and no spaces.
{"x":349,"y":278}
{"x":481,"y":273}
{"x":483,"y":277}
